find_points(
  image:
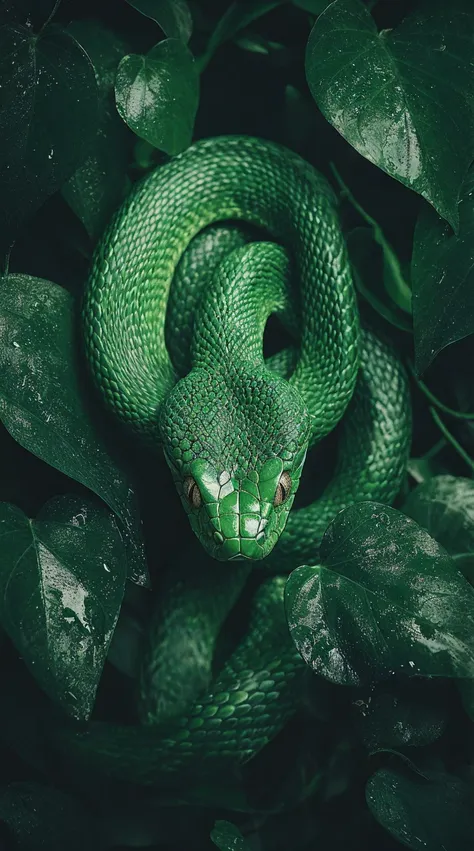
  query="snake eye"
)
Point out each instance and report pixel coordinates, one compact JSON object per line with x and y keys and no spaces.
{"x":193,"y":494}
{"x":283,"y":489}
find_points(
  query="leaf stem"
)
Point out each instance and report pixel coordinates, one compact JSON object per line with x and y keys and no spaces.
{"x":438,"y":446}
{"x":452,"y":440}
{"x":459,"y":415}
{"x":50,"y":16}
{"x":401,"y":292}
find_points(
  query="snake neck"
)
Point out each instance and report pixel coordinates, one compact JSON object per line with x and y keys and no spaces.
{"x":252,"y":283}
{"x":245,"y":429}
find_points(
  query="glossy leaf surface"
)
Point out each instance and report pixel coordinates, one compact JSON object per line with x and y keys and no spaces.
{"x":62,"y":578}
{"x":157,"y":95}
{"x":173,"y":16}
{"x":42,"y":77}
{"x":400,"y":96}
{"x":43,"y":405}
{"x":426,"y":813}
{"x":443,"y":279}
{"x":386,"y":598}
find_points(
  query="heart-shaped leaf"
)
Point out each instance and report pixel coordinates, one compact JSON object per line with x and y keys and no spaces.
{"x":62,"y":578}
{"x":43,"y":817}
{"x":228,"y":837}
{"x":173,"y":16}
{"x":399,"y":715}
{"x":444,"y":506}
{"x":48,"y":118}
{"x":429,"y":812}
{"x":42,"y":404}
{"x":442,"y":272}
{"x":157,"y":95}
{"x":96,"y":188}
{"x":403,"y":98}
{"x":386,"y":598}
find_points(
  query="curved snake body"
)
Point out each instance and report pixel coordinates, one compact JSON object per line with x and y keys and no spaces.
{"x":236,"y":428}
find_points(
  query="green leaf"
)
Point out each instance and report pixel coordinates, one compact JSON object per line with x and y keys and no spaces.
{"x":43,"y":406}
{"x":62,"y":578}
{"x":466,"y":687}
{"x":157,"y":95}
{"x":394,"y":282}
{"x":426,"y":813}
{"x":370,"y":277}
{"x":397,"y":716}
{"x":443,"y":279}
{"x":98,"y":186}
{"x":48,"y":118}
{"x":315,"y":7}
{"x":444,"y":506}
{"x":173,"y":16}
{"x":236,"y":17}
{"x":403,"y":98}
{"x":41,"y":817}
{"x":386,"y":598}
{"x":228,"y":837}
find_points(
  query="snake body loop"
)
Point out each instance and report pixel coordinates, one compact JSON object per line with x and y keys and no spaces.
{"x":174,"y":316}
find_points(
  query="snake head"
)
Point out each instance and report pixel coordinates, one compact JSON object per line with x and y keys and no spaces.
{"x":236,"y":470}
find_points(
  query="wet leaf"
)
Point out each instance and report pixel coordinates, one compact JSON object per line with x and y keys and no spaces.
{"x":228,"y":837}
{"x":443,"y":279}
{"x":401,"y":96}
{"x":444,"y":506}
{"x":236,"y":17}
{"x":401,"y":715}
{"x":173,"y":16}
{"x":426,"y":813}
{"x":370,"y":277}
{"x":386,"y":598}
{"x":466,"y":687}
{"x":96,"y":188}
{"x":41,"y":817}
{"x":43,"y":406}
{"x":157,"y":95}
{"x":48,"y":118}
{"x":62,"y":578}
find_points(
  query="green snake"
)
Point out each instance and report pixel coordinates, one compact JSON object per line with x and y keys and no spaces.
{"x":202,"y":252}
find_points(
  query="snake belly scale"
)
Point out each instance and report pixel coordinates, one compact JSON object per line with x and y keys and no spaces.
{"x":174,"y":314}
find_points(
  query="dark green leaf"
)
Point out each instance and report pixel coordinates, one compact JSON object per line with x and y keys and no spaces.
{"x":426,"y":814}
{"x":422,"y":469}
{"x":62,"y":578}
{"x":397,"y":716}
{"x":228,"y":837}
{"x":466,"y":687}
{"x":157,"y":95}
{"x":444,"y":506}
{"x":315,"y":7}
{"x":367,"y":261}
{"x":98,"y":186}
{"x":443,"y":279}
{"x":404,"y":98}
{"x":95,"y":190}
{"x":48,"y":118}
{"x":236,"y":17}
{"x":42,"y":404}
{"x":40,"y":817}
{"x":395,"y":285}
{"x":173,"y":16}
{"x":386,"y":598}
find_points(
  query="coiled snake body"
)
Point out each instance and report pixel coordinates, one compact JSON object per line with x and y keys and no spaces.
{"x":185,"y":369}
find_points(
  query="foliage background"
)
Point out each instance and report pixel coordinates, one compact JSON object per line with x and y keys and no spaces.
{"x":368,"y":765}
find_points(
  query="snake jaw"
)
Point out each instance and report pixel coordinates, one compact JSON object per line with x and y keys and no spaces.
{"x":237,"y":518}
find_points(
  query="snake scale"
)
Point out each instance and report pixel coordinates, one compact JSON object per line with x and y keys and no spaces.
{"x":202,"y":252}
